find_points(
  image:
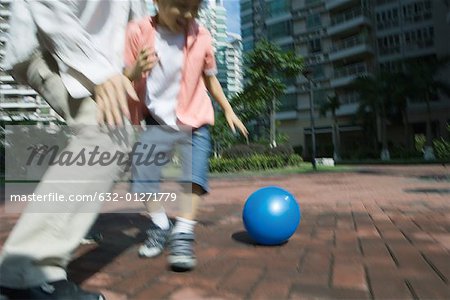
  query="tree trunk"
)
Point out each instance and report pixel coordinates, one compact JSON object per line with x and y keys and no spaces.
{"x":336,"y":139}
{"x":428,"y":152}
{"x":405,"y":120}
{"x":273,"y":142}
{"x":384,"y":147}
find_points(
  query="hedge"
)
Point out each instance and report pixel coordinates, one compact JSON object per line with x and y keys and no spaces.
{"x":253,"y":163}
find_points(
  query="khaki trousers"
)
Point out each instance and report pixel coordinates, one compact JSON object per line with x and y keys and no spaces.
{"x":40,"y":245}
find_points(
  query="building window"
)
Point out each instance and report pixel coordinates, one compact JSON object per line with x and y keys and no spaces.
{"x":278,"y":7}
{"x":388,"y":19}
{"x":288,"y":102}
{"x":313,"y":21}
{"x":247,"y":32}
{"x":417,"y":11}
{"x":279,"y":30}
{"x":389,"y":44}
{"x":246,"y":5}
{"x":287,"y":47}
{"x":419,"y":38}
{"x":318,"y":71}
{"x":247,"y":19}
{"x":315,"y":46}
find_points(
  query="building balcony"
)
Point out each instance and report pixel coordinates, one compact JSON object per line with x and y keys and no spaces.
{"x":287,"y":109}
{"x":347,"y":109}
{"x":21,"y":105}
{"x":346,"y":75}
{"x":5,"y":13}
{"x":6,"y":78}
{"x":273,"y":19}
{"x":286,"y":115}
{"x":332,"y":4}
{"x":17,"y":92}
{"x":356,"y":45}
{"x":349,"y":20}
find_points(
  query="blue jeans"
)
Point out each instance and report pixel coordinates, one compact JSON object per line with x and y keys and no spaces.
{"x":195,"y":149}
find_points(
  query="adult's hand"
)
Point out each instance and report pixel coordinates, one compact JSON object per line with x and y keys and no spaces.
{"x":111,"y":98}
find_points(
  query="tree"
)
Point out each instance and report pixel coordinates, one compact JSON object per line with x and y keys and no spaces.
{"x":222,"y":137}
{"x":332,"y":105}
{"x":376,"y":95}
{"x":424,"y":84}
{"x":400,"y":95}
{"x":266,"y":67}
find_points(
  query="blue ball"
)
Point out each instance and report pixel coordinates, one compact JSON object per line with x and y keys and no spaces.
{"x":271,"y":215}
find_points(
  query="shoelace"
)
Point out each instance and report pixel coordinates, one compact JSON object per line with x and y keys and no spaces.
{"x":181,"y":244}
{"x":156,"y":237}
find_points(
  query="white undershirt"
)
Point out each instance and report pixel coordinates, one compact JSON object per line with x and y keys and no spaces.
{"x":164,"y":80}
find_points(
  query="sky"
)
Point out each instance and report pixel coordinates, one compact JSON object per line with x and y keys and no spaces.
{"x":233,"y":16}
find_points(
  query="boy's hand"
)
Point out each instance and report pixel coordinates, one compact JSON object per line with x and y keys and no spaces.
{"x":145,"y":61}
{"x":234,"y":121}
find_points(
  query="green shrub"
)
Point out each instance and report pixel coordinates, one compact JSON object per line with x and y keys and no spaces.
{"x":283,"y":150}
{"x":419,"y":142}
{"x":243,"y":150}
{"x":442,"y":148}
{"x":253,"y":163}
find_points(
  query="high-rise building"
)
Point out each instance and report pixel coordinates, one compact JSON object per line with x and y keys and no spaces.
{"x":233,"y":63}
{"x":18,"y":102}
{"x":213,"y":16}
{"x":341,"y":40}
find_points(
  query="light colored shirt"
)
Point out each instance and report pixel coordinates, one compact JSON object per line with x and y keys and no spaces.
{"x":194,"y":107}
{"x":85,"y":37}
{"x":163,"y":81}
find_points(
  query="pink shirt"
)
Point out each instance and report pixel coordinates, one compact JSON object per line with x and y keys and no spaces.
{"x":194,"y":106}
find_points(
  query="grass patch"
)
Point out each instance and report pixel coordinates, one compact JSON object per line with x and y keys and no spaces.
{"x":392,"y":162}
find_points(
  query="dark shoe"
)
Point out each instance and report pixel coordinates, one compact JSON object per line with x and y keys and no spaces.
{"x":61,"y":289}
{"x":181,"y":248}
{"x":155,"y":242}
{"x":92,"y":238}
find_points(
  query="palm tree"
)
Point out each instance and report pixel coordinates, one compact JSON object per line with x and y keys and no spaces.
{"x":376,"y":95}
{"x":332,"y":105}
{"x":424,"y":86}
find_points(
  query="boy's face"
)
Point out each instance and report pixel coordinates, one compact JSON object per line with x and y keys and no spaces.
{"x":177,"y":14}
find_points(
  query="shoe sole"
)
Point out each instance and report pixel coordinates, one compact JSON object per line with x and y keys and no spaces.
{"x":182,"y":263}
{"x":149,"y":256}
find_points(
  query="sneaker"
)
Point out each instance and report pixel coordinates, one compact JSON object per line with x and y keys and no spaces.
{"x":155,"y":242}
{"x":61,"y":289}
{"x":181,"y":248}
{"x":92,"y":238}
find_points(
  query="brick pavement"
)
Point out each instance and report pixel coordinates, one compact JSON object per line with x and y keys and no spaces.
{"x":373,"y":233}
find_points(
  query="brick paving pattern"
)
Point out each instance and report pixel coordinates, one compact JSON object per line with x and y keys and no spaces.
{"x":372,"y":233}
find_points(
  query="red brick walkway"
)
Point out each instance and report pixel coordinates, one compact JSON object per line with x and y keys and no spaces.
{"x":374,"y":233}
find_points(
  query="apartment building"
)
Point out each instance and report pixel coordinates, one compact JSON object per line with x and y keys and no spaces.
{"x":19,"y":103}
{"x":233,"y":59}
{"x":341,"y":40}
{"x":213,"y":16}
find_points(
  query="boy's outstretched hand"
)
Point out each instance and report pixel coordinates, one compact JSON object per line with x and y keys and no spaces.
{"x":145,"y":61}
{"x":234,"y":121}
